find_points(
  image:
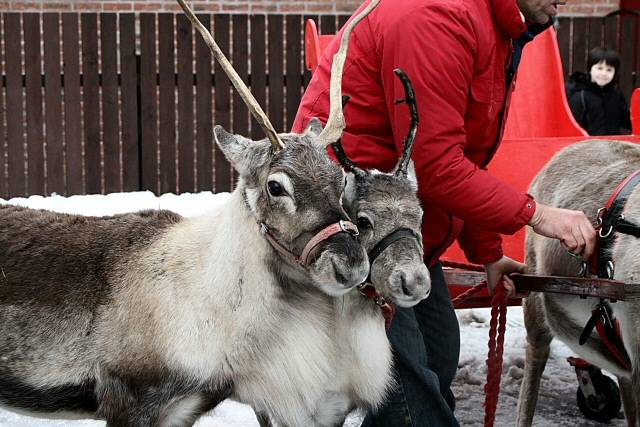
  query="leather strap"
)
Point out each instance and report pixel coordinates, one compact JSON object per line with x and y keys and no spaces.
{"x":389,"y":239}
{"x":338,"y":227}
{"x":330,"y":230}
{"x":612,"y":221}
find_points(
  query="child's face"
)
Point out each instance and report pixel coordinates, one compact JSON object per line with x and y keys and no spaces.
{"x":602,"y":73}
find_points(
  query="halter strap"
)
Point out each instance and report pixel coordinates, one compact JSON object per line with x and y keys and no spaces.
{"x":303,"y":260}
{"x":389,"y":239}
{"x":612,"y":221}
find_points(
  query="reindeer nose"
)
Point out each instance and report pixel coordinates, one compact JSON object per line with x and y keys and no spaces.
{"x":415,"y":283}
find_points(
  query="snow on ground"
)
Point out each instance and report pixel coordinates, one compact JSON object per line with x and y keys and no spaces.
{"x":556,"y":405}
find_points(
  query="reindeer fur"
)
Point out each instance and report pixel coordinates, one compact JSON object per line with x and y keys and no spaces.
{"x":582,"y":177}
{"x":152,"y":319}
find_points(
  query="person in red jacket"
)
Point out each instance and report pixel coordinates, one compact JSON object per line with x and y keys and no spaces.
{"x":461,"y":56}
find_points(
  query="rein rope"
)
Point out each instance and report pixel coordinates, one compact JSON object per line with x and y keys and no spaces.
{"x":497,"y":329}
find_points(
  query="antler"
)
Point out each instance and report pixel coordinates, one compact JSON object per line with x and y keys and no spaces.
{"x":237,"y":82}
{"x":336,"y":123}
{"x":341,"y":155}
{"x":410,"y":99}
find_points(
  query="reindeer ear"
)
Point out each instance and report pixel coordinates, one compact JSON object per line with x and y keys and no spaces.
{"x":350,"y":190}
{"x":411,"y":175}
{"x":246,"y":156}
{"x":314,"y":128}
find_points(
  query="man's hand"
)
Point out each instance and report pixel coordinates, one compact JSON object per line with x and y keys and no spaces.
{"x":498,"y":270}
{"x":572,"y":228}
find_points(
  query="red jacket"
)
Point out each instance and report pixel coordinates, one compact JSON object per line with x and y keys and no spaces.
{"x":455,"y":52}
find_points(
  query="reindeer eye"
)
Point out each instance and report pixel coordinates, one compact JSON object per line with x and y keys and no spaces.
{"x":275,"y":188}
{"x":364,"y":223}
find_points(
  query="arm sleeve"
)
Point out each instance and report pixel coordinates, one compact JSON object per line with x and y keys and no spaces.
{"x":625,"y":119}
{"x":577,"y":108}
{"x":436,"y":47}
{"x":480,"y":246}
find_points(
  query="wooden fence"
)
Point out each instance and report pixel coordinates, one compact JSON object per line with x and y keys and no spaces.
{"x":100,"y":103}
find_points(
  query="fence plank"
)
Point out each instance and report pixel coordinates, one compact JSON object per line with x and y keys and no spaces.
{"x":626,"y":51}
{"x":240,"y":62}
{"x":258,"y":68}
{"x":72,"y":104}
{"x":342,"y":19}
{"x":35,"y":123}
{"x":186,"y":142}
{"x":110,"y":107}
{"x":579,"y":41}
{"x":564,"y":43}
{"x":294,"y":67}
{"x":594,"y":34}
{"x":222,"y":117}
{"x":53,"y":104}
{"x":635,"y":79}
{"x":167,"y":113}
{"x":276,"y":72}
{"x":3,"y":129}
{"x":610,"y":25}
{"x":129,"y":101}
{"x":15,"y":115}
{"x":306,"y":74}
{"x":148,"y":107}
{"x":91,"y":99}
{"x":204,"y":111}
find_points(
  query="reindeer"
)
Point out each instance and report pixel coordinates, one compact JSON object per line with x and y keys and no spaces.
{"x":152,"y":319}
{"x":389,"y":219}
{"x":582,"y":177}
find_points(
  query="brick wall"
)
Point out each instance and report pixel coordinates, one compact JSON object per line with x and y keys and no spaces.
{"x":573,"y":7}
{"x":588,"y":7}
{"x":228,"y":6}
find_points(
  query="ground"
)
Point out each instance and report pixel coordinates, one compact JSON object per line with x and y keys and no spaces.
{"x":556,"y":405}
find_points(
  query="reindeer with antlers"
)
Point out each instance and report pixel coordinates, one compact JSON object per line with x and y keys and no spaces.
{"x":389,"y":218}
{"x":152,"y":319}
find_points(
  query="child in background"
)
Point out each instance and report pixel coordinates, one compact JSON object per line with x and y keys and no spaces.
{"x":596,"y":103}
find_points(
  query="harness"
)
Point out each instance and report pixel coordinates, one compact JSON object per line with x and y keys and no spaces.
{"x":367,"y":290}
{"x":303,"y":260}
{"x":610,"y":222}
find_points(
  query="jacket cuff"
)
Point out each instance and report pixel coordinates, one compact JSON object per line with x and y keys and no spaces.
{"x":523,"y":217}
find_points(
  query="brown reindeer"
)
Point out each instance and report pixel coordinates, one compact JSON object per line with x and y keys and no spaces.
{"x":582,"y":177}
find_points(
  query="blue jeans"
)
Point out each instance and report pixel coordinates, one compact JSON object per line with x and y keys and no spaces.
{"x":426,"y":345}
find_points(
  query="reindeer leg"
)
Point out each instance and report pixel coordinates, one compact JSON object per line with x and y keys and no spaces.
{"x":263,"y":419}
{"x":127,"y":403}
{"x":628,"y":401}
{"x":538,"y":343}
{"x":635,"y":391}
{"x":117,"y":402}
{"x":341,"y":422}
